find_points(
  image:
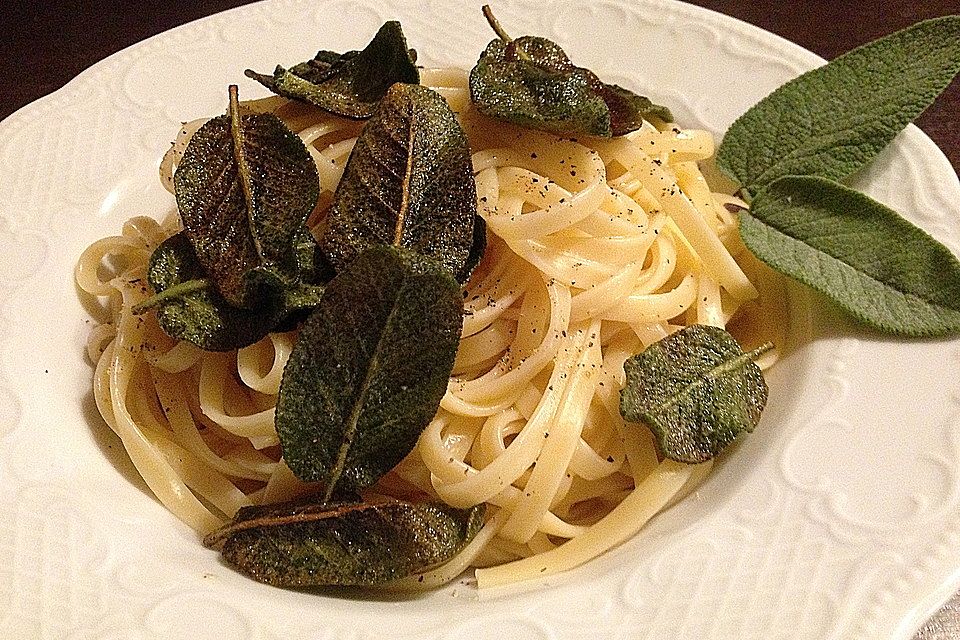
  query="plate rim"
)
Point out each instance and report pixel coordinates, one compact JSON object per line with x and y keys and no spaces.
{"x":61,"y":96}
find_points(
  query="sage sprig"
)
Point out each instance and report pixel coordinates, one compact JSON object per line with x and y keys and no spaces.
{"x":531,"y":82}
{"x":351,"y":84}
{"x":832,"y":121}
{"x":883,"y":270}
{"x":696,"y":390}
{"x":369,"y":368}
{"x":307,"y":543}
{"x":788,"y":152}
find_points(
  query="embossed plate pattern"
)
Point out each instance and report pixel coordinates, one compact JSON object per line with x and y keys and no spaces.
{"x":838,"y":518}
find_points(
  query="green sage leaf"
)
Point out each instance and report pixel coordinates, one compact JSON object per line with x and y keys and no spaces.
{"x":877,"y":266}
{"x":189,"y":307}
{"x":408,"y":182}
{"x":350,"y":85}
{"x":832,"y":121}
{"x":531,"y":82}
{"x":304,"y":544}
{"x":244,"y":188}
{"x":369,"y":368}
{"x":696,"y":390}
{"x":201,"y":315}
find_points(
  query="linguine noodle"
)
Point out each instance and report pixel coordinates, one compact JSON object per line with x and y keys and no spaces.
{"x":596,"y":249}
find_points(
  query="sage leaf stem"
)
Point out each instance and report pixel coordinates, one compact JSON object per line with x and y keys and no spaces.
{"x":176,"y":291}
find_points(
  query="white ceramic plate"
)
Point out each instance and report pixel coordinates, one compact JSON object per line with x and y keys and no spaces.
{"x":838,"y":518}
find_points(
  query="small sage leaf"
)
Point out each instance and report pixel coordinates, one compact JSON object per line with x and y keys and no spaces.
{"x":350,"y":85}
{"x":696,"y":390}
{"x":408,"y":182}
{"x":244,"y":188}
{"x":832,"y":121}
{"x":305,"y":544}
{"x":879,"y":267}
{"x":531,"y":82}
{"x":189,"y":307}
{"x":369,"y":368}
{"x":200,"y":315}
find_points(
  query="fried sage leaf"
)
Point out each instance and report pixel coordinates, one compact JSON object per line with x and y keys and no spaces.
{"x":696,"y":390}
{"x":189,"y":307}
{"x":244,"y":188}
{"x":306,"y":544}
{"x":832,"y":121}
{"x":408,"y":182}
{"x":880,"y":268}
{"x":531,"y":82}
{"x":350,"y":85}
{"x":369,"y":368}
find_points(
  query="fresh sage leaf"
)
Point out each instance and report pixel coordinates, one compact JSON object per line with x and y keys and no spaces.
{"x":304,"y":544}
{"x":696,"y":390}
{"x":531,"y":82}
{"x":408,"y":182}
{"x":244,"y":188}
{"x":350,"y":85}
{"x":832,"y":121}
{"x":369,"y":368}
{"x":877,"y":266}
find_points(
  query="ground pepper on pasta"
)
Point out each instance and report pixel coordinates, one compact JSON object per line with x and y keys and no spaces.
{"x":597,"y":248}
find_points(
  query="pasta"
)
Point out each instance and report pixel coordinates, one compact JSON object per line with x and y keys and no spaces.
{"x":597,"y":248}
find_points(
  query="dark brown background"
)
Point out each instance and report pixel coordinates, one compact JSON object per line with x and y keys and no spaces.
{"x":45,"y":44}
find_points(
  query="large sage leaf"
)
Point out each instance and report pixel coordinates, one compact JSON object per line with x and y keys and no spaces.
{"x":369,"y":368}
{"x":832,"y":121}
{"x":696,"y":390}
{"x":350,"y":85}
{"x":408,"y":182}
{"x":531,"y":82}
{"x":882,"y":269}
{"x":244,"y":188}
{"x":306,"y":544}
